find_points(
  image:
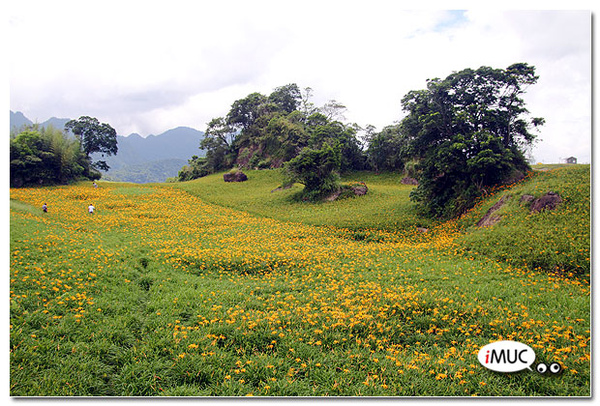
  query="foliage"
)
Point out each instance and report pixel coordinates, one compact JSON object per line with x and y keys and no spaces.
{"x":151,"y":298}
{"x":93,"y":137}
{"x":469,"y":133}
{"x":387,"y":150}
{"x":196,"y":168}
{"x":45,"y":156}
{"x":266,"y":131}
{"x":554,"y":241}
{"x":317,"y":170}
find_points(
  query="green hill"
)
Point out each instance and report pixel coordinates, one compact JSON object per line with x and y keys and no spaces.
{"x":551,"y":240}
{"x":386,"y":206}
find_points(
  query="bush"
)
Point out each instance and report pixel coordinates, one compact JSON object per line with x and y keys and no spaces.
{"x":45,"y":156}
{"x":196,"y":168}
{"x":317,"y":170}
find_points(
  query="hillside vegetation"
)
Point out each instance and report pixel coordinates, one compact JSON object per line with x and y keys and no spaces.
{"x":385,"y":207}
{"x":551,"y":240}
{"x":547,"y":240}
{"x":459,"y":137}
{"x":204,"y":288}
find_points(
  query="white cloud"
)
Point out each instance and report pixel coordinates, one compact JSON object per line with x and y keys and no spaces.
{"x":149,"y":66}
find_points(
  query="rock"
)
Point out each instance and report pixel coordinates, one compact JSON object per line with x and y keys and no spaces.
{"x":357,"y":189}
{"x":490,"y":218}
{"x":237,"y":176}
{"x":333,"y":197}
{"x":547,"y":202}
{"x":409,"y":181}
{"x":283,"y":187}
{"x":360,"y":190}
{"x":422,"y":229}
{"x":526,"y":199}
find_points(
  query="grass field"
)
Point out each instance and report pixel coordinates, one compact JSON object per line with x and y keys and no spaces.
{"x":211,"y":289}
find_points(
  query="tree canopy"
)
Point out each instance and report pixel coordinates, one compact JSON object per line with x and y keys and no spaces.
{"x":93,"y":137}
{"x":45,"y":156}
{"x":468,"y":131}
{"x":262,"y":131}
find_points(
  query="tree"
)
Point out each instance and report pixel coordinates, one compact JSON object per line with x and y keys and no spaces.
{"x":93,"y":137}
{"x":317,"y":170}
{"x":387,"y":149}
{"x":286,"y":98}
{"x":334,"y":110}
{"x":244,"y":112}
{"x":306,"y":107}
{"x":218,"y":143}
{"x":468,"y":133}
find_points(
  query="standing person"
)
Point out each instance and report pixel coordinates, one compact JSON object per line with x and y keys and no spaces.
{"x":91,"y":209}
{"x":45,"y":208}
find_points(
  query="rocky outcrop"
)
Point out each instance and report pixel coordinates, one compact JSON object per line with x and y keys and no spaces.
{"x":489,"y":219}
{"x":356,"y":189}
{"x":237,"y":176}
{"x":360,"y":190}
{"x":547,"y":202}
{"x":526,"y":199}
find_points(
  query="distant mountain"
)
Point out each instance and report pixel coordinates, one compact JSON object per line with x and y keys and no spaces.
{"x":148,"y":172}
{"x":181,"y":142}
{"x":56,"y":122}
{"x":154,"y":158}
{"x":18,"y":120}
{"x":140,"y":160}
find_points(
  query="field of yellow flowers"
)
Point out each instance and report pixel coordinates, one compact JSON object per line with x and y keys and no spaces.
{"x":161,"y":293}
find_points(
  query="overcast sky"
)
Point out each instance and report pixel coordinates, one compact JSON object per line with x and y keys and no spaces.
{"x":148,"y":66}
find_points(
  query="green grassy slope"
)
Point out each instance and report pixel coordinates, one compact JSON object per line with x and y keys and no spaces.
{"x":161,"y":293}
{"x":385,"y":207}
{"x":556,"y":240}
{"x":550,"y":240}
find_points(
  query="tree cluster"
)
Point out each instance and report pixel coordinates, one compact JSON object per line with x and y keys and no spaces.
{"x":468,"y":132}
{"x":279,"y":130}
{"x":48,"y":156}
{"x":460,"y":136}
{"x":45,"y":156}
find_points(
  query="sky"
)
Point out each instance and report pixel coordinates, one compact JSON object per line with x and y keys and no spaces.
{"x":148,"y":66}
